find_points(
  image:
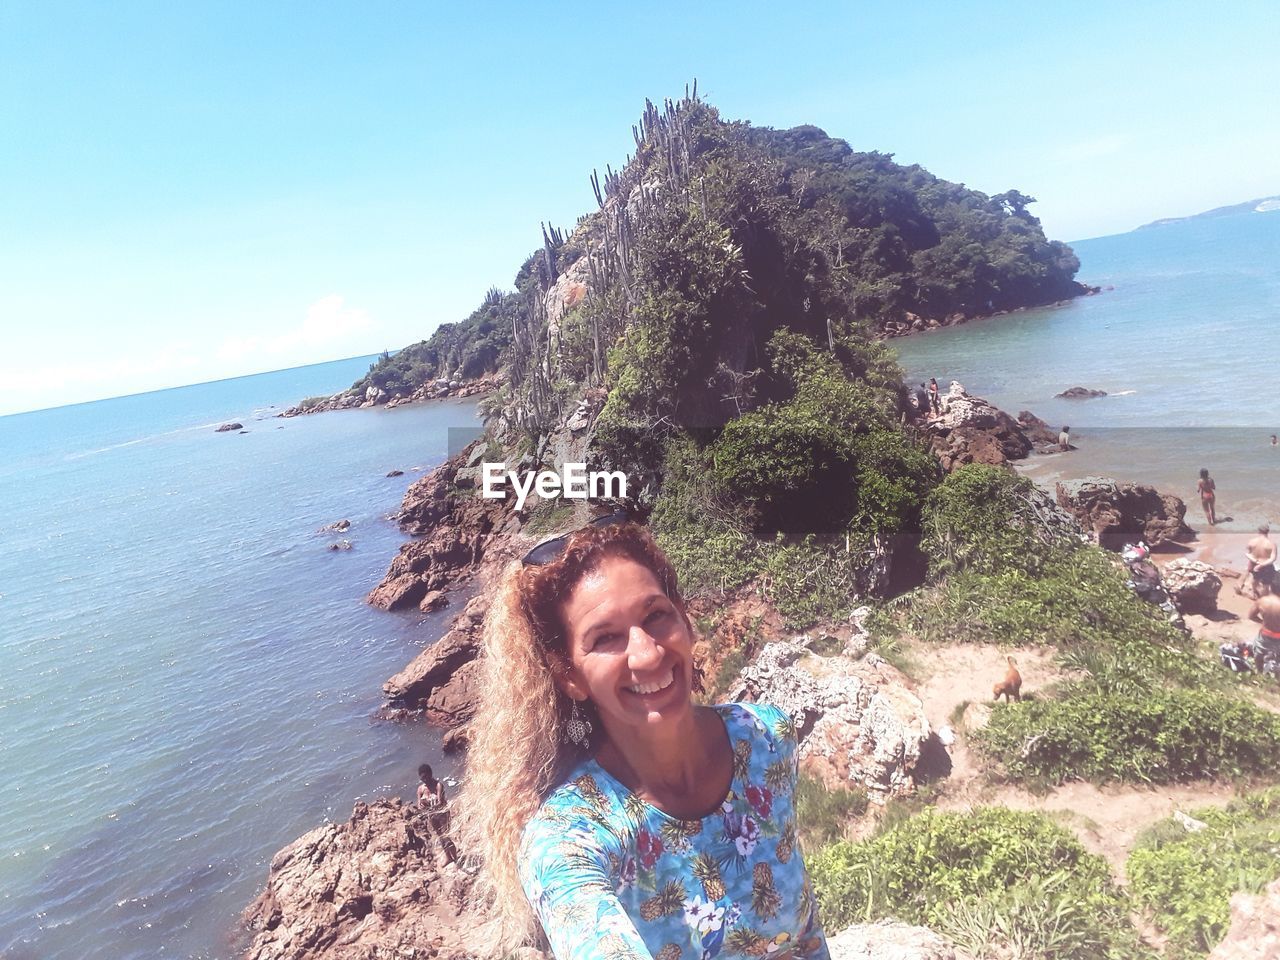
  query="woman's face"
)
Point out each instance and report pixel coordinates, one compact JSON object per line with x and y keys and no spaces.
{"x":630,"y":649}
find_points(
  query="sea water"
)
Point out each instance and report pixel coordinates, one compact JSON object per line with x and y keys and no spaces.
{"x":1184,"y":341}
{"x":188,"y":674}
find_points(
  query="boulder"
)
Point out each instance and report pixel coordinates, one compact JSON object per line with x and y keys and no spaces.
{"x":1080,"y":393}
{"x":1043,"y":437}
{"x":229,"y":427}
{"x":395,"y":473}
{"x":448,"y":554}
{"x":434,"y":600}
{"x":1254,"y":933}
{"x":891,"y":940}
{"x":428,"y":682}
{"x":1192,"y":585}
{"x":971,"y":430}
{"x":341,"y":545}
{"x":858,"y":721}
{"x":375,"y":886}
{"x":1115,"y":513}
{"x":338,"y":526}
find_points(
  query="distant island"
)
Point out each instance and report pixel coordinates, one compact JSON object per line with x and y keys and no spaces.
{"x":1261,"y":205}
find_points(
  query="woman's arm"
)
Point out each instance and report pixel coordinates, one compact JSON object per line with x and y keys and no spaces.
{"x":563,"y":874}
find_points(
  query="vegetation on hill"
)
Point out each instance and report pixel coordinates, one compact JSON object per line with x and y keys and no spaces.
{"x":717,"y":233}
{"x":997,"y":882}
{"x":1185,"y":878}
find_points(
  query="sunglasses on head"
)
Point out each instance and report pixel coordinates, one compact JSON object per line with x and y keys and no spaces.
{"x":549,"y":550}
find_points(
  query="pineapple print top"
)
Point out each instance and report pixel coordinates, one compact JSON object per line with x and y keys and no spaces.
{"x":612,"y":876}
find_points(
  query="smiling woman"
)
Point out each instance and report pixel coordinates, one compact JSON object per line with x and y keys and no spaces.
{"x":609,"y":812}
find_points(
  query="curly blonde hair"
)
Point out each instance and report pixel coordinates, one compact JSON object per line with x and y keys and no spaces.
{"x":517,"y":754}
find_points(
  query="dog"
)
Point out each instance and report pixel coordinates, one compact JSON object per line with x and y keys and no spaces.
{"x":1011,"y":686}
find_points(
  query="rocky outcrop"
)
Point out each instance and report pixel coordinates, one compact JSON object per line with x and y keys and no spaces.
{"x":442,"y":679}
{"x":376,"y":886}
{"x":1192,"y":585}
{"x":1254,"y":933}
{"x":372,"y":396}
{"x":1044,"y":439}
{"x":229,"y":427}
{"x":1115,"y":513}
{"x":1080,"y":393}
{"x":858,"y":721}
{"x":971,"y":430}
{"x":458,"y":530}
{"x":891,"y":940}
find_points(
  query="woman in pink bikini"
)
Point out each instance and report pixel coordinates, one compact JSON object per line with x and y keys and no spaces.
{"x":1206,"y":487}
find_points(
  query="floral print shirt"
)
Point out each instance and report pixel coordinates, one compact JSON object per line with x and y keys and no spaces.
{"x":611,"y":876}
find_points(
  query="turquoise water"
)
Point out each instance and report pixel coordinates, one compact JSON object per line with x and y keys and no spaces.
{"x":1184,"y":343}
{"x":187,"y":674}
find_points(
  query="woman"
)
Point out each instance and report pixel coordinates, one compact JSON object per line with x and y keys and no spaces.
{"x":1208,"y":495}
{"x":607,"y":806}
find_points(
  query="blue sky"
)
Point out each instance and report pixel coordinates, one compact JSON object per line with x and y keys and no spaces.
{"x":192,"y":191}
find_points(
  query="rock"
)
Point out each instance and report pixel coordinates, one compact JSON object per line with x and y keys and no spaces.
{"x":454,"y":702}
{"x":1080,"y":393}
{"x":971,"y":430}
{"x":1115,"y":513}
{"x":229,"y":427}
{"x":339,"y":526}
{"x":429,"y":682}
{"x":395,"y":473}
{"x":1043,"y":437}
{"x":1192,"y":585}
{"x":891,"y":940}
{"x":434,"y":600}
{"x":858,"y":721}
{"x":1188,"y":822}
{"x":1254,"y":933}
{"x":375,"y":886}
{"x":341,"y":545}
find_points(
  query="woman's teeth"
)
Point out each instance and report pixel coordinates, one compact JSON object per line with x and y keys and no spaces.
{"x":646,"y":688}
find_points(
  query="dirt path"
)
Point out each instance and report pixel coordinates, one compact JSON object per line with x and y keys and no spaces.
{"x":954,"y":682}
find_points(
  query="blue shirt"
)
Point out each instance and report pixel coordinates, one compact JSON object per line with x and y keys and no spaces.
{"x":610,"y":875}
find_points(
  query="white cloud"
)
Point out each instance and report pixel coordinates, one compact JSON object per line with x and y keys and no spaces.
{"x":328,"y":324}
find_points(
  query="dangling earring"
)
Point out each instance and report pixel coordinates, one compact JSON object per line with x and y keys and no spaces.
{"x":578,"y":728}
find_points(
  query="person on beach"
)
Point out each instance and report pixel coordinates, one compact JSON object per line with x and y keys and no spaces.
{"x":1274,"y":441}
{"x":1208,"y":496}
{"x":431,"y":798}
{"x":1261,"y":555}
{"x":935,"y":397}
{"x":606,"y":807}
{"x":1266,"y":610}
{"x":1064,"y":439}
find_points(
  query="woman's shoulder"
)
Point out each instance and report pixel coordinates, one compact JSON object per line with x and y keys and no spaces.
{"x":762,"y":719}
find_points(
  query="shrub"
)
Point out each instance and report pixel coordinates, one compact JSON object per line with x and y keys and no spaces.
{"x":828,"y":455}
{"x":944,"y":869}
{"x":823,"y":812}
{"x":1186,"y":879}
{"x":1162,"y":736}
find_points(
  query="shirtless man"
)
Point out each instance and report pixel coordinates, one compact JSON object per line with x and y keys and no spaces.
{"x":1266,"y":609}
{"x":1262,"y":563}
